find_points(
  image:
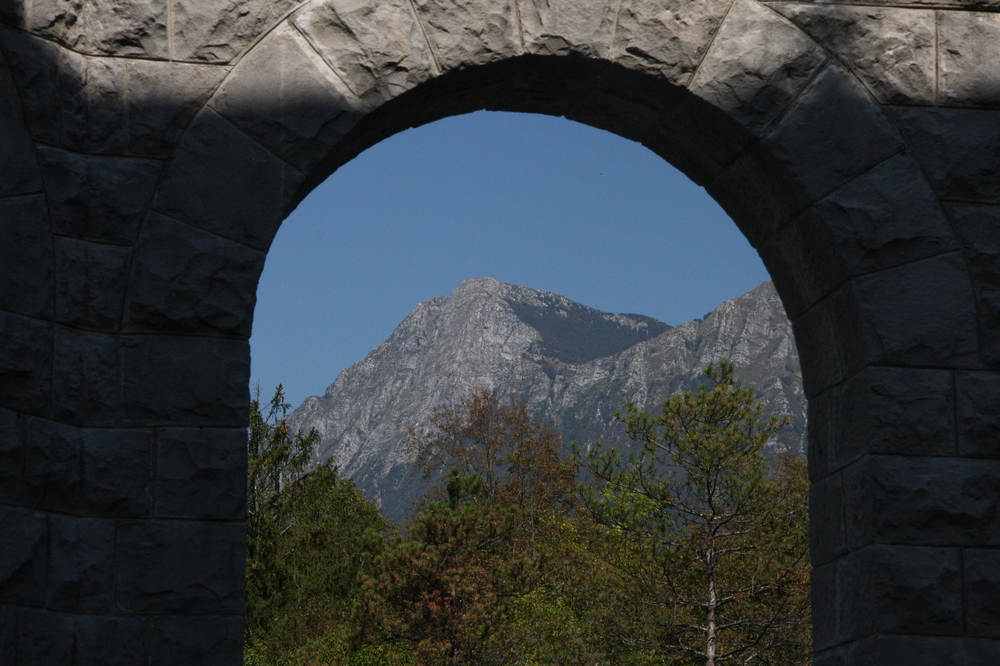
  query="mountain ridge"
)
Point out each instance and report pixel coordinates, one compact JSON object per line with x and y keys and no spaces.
{"x":573,"y":365}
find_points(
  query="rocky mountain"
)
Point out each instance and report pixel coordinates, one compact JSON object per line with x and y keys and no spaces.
{"x":573,"y":365}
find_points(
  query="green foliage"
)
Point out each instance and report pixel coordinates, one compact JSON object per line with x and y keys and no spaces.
{"x":304,"y":537}
{"x":716,"y":546}
{"x":688,"y":549}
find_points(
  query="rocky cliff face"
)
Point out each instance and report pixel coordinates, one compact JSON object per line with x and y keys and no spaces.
{"x":572,"y":364}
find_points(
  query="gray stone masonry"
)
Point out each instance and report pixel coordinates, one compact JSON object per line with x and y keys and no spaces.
{"x":149,"y":150}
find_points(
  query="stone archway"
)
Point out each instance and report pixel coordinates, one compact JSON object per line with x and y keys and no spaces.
{"x":152,"y":149}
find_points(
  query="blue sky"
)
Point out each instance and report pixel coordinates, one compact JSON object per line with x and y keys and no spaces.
{"x":534,"y":200}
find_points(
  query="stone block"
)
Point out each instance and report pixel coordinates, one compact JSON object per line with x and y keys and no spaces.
{"x":968,"y":52}
{"x":103,"y":27}
{"x":163,"y":97}
{"x":894,"y":411}
{"x":824,"y":592}
{"x":23,"y":544}
{"x":989,"y":325}
{"x":379,"y":49}
{"x":97,"y":198}
{"x":90,"y":283}
{"x":833,"y":132}
{"x":978,"y":229}
{"x":758,"y":64}
{"x":750,"y":190}
{"x":826,"y":337}
{"x":25,"y":364}
{"x":191,"y":281}
{"x":956,"y":148}
{"x":666,"y":38}
{"x":12,"y":13}
{"x":70,"y":101}
{"x":886,"y":217}
{"x":901,"y":590}
{"x":46,"y":637}
{"x":85,"y":377}
{"x":185,"y":381}
{"x":919,"y":314}
{"x":52,"y":468}
{"x":224,"y":182}
{"x":920,"y":501}
{"x":923,"y":651}
{"x":81,"y":552}
{"x":117,"y":473}
{"x":26,"y":256}
{"x":565,"y":27}
{"x":827,"y":535}
{"x":979,"y":414}
{"x":286,"y":97}
{"x":109,"y":641}
{"x":464,"y":33}
{"x":981,"y":573}
{"x":19,"y":172}
{"x":196,"y":641}
{"x":165,"y":567}
{"x":10,"y":620}
{"x":11,"y":457}
{"x":220,"y":30}
{"x":202,"y":473}
{"x":822,"y":412}
{"x":892,"y":50}
{"x":802,"y":252}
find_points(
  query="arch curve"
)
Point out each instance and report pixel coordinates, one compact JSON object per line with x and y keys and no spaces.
{"x":155,"y":160}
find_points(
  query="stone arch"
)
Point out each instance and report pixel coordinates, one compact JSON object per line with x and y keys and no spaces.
{"x":153,"y":156}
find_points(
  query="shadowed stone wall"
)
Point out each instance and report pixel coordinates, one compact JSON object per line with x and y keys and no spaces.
{"x":149,"y":150}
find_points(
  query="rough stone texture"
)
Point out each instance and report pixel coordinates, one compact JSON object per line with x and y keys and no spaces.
{"x":957,"y":149}
{"x":25,"y":364}
{"x":563,"y":27}
{"x":224,"y":182}
{"x":97,"y":198}
{"x":201,"y":473}
{"x":103,"y":27}
{"x":70,"y":101}
{"x":970,"y":48}
{"x":85,"y":374}
{"x":180,"y":566}
{"x":219,"y":30}
{"x":876,"y":222}
{"x":979,"y":414}
{"x":196,"y":641}
{"x":920,"y":313}
{"x":18,"y":168}
{"x":463,"y":33}
{"x":162,"y":100}
{"x":11,"y":457}
{"x":896,"y":499}
{"x":311,"y":109}
{"x":832,"y":113}
{"x":757,"y":65}
{"x":184,"y":381}
{"x":188,"y":280}
{"x":378,"y":50}
{"x":901,"y":590}
{"x":23,"y":542}
{"x":26,"y":257}
{"x":892,"y":51}
{"x":666,"y":38}
{"x":90,"y":283}
{"x":81,"y":553}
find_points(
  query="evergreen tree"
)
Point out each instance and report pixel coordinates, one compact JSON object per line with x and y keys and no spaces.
{"x":714,"y":546}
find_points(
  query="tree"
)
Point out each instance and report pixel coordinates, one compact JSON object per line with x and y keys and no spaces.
{"x":304,"y":534}
{"x":477,"y":567}
{"x":715,"y":544}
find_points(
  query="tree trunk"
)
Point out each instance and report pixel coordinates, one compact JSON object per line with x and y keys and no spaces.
{"x":710,"y":635}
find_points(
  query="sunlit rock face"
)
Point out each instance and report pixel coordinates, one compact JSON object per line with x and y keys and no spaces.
{"x":573,"y":365}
